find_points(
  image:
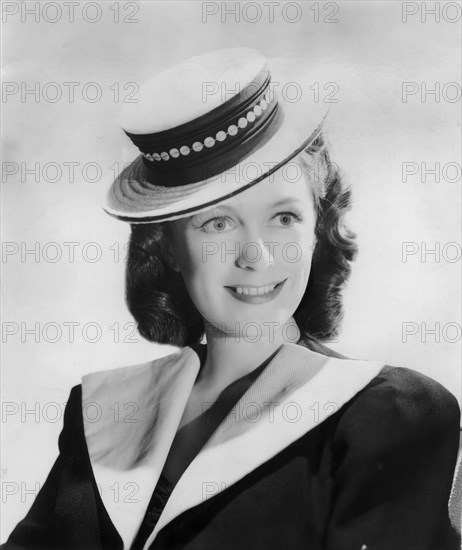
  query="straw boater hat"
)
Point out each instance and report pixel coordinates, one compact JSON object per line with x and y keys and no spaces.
{"x":209,"y":128}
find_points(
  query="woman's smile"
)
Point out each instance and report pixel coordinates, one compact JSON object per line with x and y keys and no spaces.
{"x":256,"y":295}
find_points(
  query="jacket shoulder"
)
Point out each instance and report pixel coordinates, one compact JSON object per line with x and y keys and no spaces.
{"x":406,"y":390}
{"x":401,"y":404}
{"x":414,"y":393}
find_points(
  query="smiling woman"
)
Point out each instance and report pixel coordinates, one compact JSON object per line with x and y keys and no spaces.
{"x":260,"y":438}
{"x":314,"y":238}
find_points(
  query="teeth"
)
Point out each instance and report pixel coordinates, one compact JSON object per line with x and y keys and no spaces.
{"x":255,"y":291}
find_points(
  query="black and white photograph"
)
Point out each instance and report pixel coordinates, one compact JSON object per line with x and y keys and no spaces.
{"x":231,"y":275}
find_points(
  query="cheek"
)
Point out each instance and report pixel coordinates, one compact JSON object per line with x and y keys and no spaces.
{"x":301,"y":270}
{"x":187,"y":255}
{"x":204,"y":282}
{"x":200,"y":266}
{"x":297,"y":252}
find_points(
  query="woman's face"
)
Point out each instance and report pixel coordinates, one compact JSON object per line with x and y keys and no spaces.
{"x":234,"y":250}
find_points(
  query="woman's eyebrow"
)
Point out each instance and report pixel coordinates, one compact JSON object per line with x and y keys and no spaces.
{"x":286,"y":200}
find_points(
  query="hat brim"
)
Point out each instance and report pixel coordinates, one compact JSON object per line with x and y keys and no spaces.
{"x":133,"y":199}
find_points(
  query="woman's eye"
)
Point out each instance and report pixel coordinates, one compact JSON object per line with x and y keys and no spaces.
{"x":220,"y":224}
{"x":215,"y":224}
{"x":287,"y":218}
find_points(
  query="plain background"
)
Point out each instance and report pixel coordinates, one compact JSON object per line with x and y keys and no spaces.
{"x":369,"y":53}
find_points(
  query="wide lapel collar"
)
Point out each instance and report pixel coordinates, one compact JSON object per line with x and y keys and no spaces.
{"x":131,"y":416}
{"x":296,"y":391}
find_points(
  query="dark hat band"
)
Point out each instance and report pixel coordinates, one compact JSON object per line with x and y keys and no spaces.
{"x":214,"y":142}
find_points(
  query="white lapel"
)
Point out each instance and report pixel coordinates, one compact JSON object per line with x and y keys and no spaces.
{"x":131,"y":416}
{"x":294,"y":393}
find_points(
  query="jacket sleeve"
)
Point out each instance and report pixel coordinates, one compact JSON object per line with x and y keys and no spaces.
{"x":37,"y":529}
{"x":395,"y":452}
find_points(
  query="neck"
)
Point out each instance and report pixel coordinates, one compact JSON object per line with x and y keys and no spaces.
{"x":232,"y":356}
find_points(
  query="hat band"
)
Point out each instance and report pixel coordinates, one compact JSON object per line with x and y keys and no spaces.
{"x":221,"y":139}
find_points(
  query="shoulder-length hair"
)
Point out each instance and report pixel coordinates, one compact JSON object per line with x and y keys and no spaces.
{"x":159,"y":301}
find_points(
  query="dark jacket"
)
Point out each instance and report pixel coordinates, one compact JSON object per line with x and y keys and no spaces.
{"x":375,"y":474}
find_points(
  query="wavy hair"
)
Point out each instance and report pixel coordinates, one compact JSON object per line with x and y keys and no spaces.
{"x":159,"y":301}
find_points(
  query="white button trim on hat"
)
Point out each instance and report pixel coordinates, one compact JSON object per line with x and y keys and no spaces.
{"x":242,"y":122}
{"x":209,"y":142}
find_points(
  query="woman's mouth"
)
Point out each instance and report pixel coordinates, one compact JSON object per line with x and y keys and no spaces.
{"x":256,"y":295}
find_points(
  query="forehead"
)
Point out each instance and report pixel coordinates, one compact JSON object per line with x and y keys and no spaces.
{"x":290,"y":183}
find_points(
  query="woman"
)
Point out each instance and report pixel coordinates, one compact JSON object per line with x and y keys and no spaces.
{"x":262,"y":438}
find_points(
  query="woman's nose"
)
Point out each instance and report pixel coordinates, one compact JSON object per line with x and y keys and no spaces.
{"x":254,"y":255}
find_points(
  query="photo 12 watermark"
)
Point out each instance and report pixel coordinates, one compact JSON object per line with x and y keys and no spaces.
{"x":67,"y":252}
{"x":256,"y":331}
{"x":26,"y":491}
{"x":271,"y":12}
{"x":69,"y":332}
{"x":253,"y":252}
{"x":63,"y":172}
{"x":286,"y":92}
{"x":434,"y":332}
{"x":71,"y":12}
{"x":431,"y":12}
{"x":69,"y":92}
{"x":435,"y":252}
{"x":431,"y":92}
{"x":431,"y":172}
{"x":52,"y":412}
